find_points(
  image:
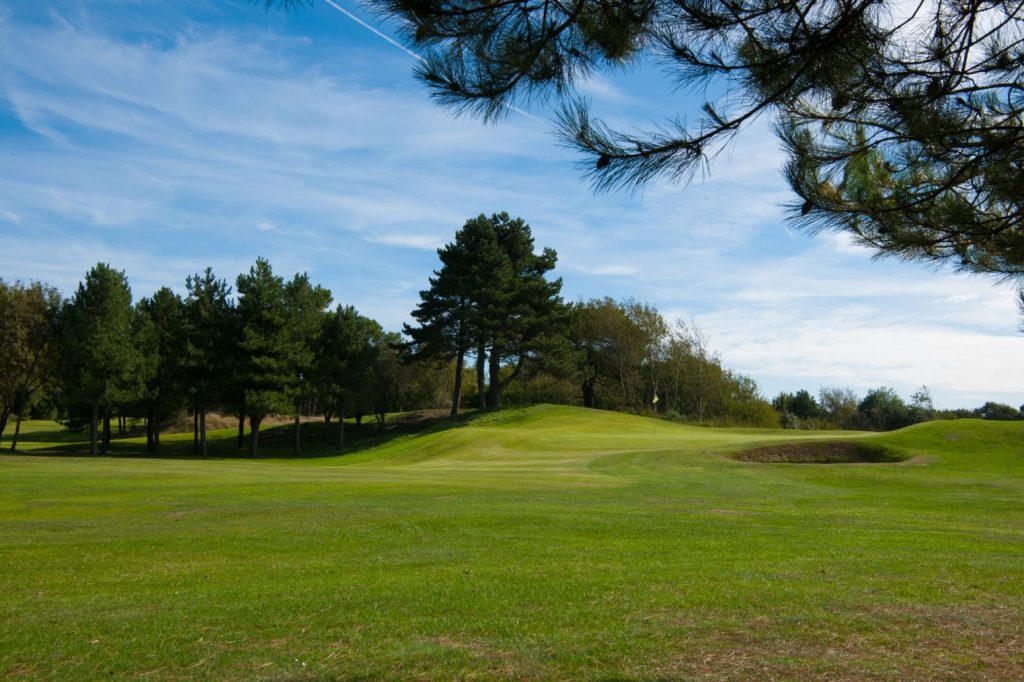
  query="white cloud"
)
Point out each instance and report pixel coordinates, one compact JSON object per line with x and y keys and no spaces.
{"x":607,"y":270}
{"x":412,"y":241}
{"x":856,"y":347}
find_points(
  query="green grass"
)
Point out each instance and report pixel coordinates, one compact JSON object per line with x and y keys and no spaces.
{"x":544,"y":543}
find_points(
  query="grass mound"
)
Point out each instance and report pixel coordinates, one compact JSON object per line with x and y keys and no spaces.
{"x":822,"y":452}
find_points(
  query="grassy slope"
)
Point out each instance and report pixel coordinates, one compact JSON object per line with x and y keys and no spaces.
{"x":541,"y":543}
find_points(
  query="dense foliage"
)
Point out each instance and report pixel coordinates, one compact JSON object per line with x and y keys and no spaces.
{"x":491,"y":297}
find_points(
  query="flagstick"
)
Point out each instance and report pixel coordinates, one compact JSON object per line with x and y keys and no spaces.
{"x":654,"y":434}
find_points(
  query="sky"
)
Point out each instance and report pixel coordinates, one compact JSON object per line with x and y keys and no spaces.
{"x":163,"y":138}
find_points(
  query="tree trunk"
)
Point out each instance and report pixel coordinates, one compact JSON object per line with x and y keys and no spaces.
{"x":149,"y":429}
{"x":241,"y":429}
{"x":105,"y":446}
{"x":588,"y":393}
{"x":17,"y":432}
{"x":494,"y":389}
{"x":481,"y":393}
{"x":328,"y":413}
{"x":3,"y":422}
{"x":254,"y":435}
{"x":94,"y":418}
{"x":195,"y":430}
{"x":359,"y":419}
{"x":202,"y":430}
{"x":298,"y":437}
{"x":457,"y":392}
{"x":341,"y":428}
{"x":156,"y":426}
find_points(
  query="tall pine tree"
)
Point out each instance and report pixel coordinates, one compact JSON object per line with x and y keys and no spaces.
{"x":489,"y":297}
{"x":209,"y":316}
{"x":264,"y":369}
{"x":98,"y":345}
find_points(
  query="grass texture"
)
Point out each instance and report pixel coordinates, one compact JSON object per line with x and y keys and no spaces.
{"x":548,"y":543}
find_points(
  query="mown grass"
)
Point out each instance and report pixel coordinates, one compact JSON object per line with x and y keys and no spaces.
{"x":544,"y":543}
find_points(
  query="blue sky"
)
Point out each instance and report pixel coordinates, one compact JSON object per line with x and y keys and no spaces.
{"x":165,"y":137}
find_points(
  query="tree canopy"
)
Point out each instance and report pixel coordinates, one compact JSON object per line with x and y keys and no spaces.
{"x":490,"y":296}
{"x":101,"y":358}
{"x":29,"y":336}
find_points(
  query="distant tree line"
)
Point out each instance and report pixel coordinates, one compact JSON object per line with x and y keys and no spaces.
{"x":881,"y":409}
{"x":490,"y":329}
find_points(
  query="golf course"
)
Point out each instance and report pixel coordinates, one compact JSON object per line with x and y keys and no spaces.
{"x":547,"y":543}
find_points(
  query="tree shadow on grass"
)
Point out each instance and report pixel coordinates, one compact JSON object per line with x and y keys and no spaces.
{"x":319,"y":440}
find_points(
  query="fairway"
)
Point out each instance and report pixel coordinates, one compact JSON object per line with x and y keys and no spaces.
{"x":540,"y":543}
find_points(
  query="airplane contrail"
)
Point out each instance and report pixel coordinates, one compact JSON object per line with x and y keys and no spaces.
{"x":412,"y":54}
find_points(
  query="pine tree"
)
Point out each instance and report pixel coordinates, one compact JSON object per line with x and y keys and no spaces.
{"x":345,"y":353}
{"x":265,"y":370}
{"x":208,"y":356}
{"x":525,"y":316}
{"x":304,"y":309}
{"x":161,"y":336}
{"x":98,"y":346}
{"x":454,"y":313}
{"x":490,"y":297}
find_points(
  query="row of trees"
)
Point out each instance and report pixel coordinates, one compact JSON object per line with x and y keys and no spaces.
{"x":491,"y":321}
{"x":881,"y":409}
{"x":274,"y":349}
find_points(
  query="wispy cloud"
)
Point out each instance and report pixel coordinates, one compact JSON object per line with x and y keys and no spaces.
{"x":412,"y":241}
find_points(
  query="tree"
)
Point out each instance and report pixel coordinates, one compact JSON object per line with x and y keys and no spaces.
{"x":605,"y":340}
{"x":998,"y":411}
{"x":453,"y":312}
{"x":882,"y":409}
{"x":904,"y":131}
{"x":98,"y":346}
{"x":304,"y":309}
{"x":386,"y":376}
{"x":839,"y":405}
{"x":29,"y":337}
{"x":800,"y":405}
{"x":921,"y":406}
{"x":344,"y":362}
{"x":162,"y":340}
{"x":525,"y":318}
{"x":265,"y":366}
{"x":653,"y":332}
{"x":207,"y":355}
{"x":491,"y":295}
